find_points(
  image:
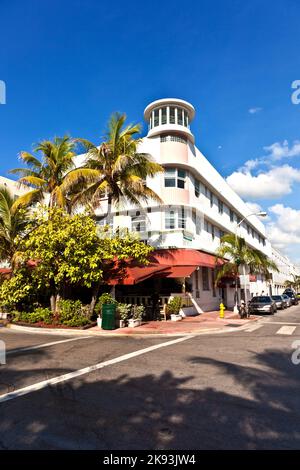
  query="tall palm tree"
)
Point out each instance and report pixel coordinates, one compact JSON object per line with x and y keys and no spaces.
{"x":46,"y":175}
{"x":114,"y":170}
{"x":13,"y":222}
{"x":238,"y":253}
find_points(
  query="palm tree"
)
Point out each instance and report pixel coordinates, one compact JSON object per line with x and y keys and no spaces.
{"x":238,"y":253}
{"x":13,"y":222}
{"x":114,"y":170}
{"x":46,"y":175}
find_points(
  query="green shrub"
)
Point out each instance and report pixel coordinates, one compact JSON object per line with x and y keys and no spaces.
{"x":124,"y":311}
{"x":39,"y":315}
{"x":138,"y":312}
{"x":174,"y":305}
{"x":71,"y":313}
{"x":105,"y":298}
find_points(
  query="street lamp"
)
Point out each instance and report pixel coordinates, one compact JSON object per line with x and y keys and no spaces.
{"x":258,"y":214}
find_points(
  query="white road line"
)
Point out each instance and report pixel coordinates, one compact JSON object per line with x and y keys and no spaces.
{"x":62,"y":378}
{"x":253,"y":328}
{"x":286,"y":330}
{"x":44,"y":345}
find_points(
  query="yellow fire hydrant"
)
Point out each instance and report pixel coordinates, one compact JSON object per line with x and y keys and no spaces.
{"x":222,"y":308}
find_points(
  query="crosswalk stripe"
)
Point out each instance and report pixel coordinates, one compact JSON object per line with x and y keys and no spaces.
{"x":286,"y":330}
{"x":253,"y":328}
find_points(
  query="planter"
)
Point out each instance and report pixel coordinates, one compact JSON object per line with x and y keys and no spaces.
{"x":99,"y":322}
{"x":176,"y":317}
{"x":133,"y":323}
{"x":122,"y":323}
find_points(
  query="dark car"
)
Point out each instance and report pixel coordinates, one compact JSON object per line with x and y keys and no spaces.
{"x":280,"y":301}
{"x":262,"y":304}
{"x":291,"y":294}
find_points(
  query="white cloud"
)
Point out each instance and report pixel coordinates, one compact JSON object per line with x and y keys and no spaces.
{"x":254,"y":207}
{"x":276,"y":182}
{"x":284,"y":230}
{"x":278,"y":150}
{"x":254,"y":110}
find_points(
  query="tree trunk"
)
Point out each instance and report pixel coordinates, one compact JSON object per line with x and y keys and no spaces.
{"x":53,"y":304}
{"x":94,"y":298}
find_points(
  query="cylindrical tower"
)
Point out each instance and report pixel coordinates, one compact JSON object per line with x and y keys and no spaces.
{"x":169,"y":116}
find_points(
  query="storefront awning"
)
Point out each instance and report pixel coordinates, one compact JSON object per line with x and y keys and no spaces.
{"x":164,"y":263}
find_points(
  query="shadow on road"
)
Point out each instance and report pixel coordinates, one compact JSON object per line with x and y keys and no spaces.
{"x":147,"y":411}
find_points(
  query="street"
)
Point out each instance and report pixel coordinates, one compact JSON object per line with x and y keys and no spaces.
{"x":237,"y":390}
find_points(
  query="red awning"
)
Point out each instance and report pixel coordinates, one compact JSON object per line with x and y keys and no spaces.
{"x":130,"y":275}
{"x":163,"y":263}
{"x":184,"y":257}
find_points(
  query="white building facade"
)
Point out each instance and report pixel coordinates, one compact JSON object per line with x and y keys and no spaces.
{"x":198,"y":207}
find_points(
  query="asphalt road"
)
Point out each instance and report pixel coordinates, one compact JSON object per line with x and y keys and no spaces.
{"x":237,"y":390}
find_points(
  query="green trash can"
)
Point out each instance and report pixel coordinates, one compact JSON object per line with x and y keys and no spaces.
{"x":108,"y":317}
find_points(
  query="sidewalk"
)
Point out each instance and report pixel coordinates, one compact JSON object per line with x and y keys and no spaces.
{"x":206,"y":321}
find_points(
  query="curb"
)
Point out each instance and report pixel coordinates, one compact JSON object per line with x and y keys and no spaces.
{"x":65,"y":332}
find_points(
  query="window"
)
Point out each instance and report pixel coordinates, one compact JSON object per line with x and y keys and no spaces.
{"x":220,"y":207}
{"x":181,"y":179}
{"x":179,"y":116}
{"x":211,"y":198}
{"x":138,"y":222}
{"x":213,"y":280}
{"x":222,"y":233}
{"x":205,"y":278}
{"x":206,"y":226}
{"x":181,"y":218}
{"x":231,"y":215}
{"x":197,"y":188}
{"x":170,"y":220}
{"x":172,"y":138}
{"x":156,"y":117}
{"x":196,"y":222}
{"x":248,"y":229}
{"x":174,"y":177}
{"x":213,"y":232}
{"x":170,"y":177}
{"x":172,"y":115}
{"x":164,"y":115}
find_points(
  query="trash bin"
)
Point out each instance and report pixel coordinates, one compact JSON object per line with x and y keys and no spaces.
{"x":108,"y":317}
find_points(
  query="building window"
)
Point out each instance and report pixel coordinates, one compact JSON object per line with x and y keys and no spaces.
{"x":181,"y":218}
{"x":172,"y":115}
{"x":211,"y":198}
{"x":222,"y":233}
{"x":164,"y":115}
{"x":170,"y":220}
{"x":220,"y":207}
{"x":205,"y":279}
{"x":172,"y":138}
{"x":138,"y":222}
{"x":174,"y":177}
{"x":197,"y":188}
{"x":213,"y":280}
{"x":179,"y":116}
{"x":213,"y":232}
{"x":156,"y":118}
{"x":231,"y":215}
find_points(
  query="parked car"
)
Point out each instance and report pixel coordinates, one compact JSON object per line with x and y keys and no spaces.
{"x":287,"y":299}
{"x":262,"y":304}
{"x":292,"y":296}
{"x":280,"y":301}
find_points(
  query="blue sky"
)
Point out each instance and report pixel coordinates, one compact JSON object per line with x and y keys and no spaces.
{"x":69,"y":64}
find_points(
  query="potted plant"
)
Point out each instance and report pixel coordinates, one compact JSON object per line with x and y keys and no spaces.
{"x":174,"y":306}
{"x":136,"y":320}
{"x":123,"y":312}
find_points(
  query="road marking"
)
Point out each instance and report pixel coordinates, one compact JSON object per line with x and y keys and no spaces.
{"x":63,"y":378}
{"x":253,"y":328}
{"x":286,"y":330}
{"x":280,"y":323}
{"x":44,"y":345}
